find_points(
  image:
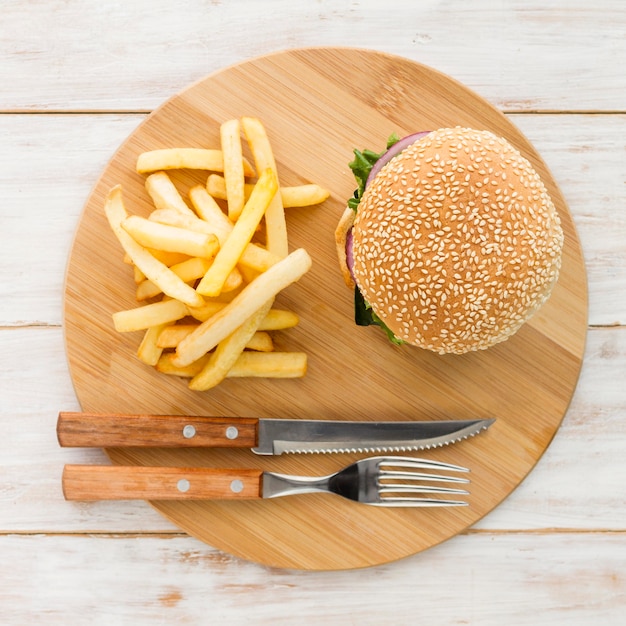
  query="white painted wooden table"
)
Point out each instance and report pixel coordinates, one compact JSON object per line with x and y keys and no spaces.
{"x":76,"y":78}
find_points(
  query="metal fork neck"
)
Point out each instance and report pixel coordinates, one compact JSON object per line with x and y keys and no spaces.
{"x":275,"y":485}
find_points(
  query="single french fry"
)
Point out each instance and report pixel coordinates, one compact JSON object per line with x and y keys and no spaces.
{"x":275,"y":225}
{"x":164,"y":193}
{"x":292,"y":196}
{"x":233,"y":167}
{"x":269,"y":365}
{"x":171,"y":335}
{"x":138,"y":275}
{"x":233,"y":281}
{"x":187,"y":271}
{"x":152,"y":268}
{"x":260,"y":342}
{"x":243,"y":231}
{"x":216,"y":187}
{"x":165,"y":365}
{"x":209,"y":210}
{"x":278,"y":319}
{"x":149,"y":315}
{"x":185,"y":158}
{"x":171,"y":217}
{"x":249,"y":364}
{"x":169,"y":258}
{"x":206,"y":311}
{"x":228,"y":351}
{"x":248,"y":274}
{"x":250,"y":299}
{"x":255,"y":257}
{"x":149,"y":351}
{"x":303,"y":195}
{"x":170,"y":238}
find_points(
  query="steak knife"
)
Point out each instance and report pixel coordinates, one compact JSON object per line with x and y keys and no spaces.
{"x":261,"y":435}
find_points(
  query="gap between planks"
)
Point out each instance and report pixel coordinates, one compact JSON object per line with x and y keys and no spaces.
{"x":179,"y":533}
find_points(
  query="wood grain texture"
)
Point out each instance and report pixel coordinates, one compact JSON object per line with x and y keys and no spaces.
{"x":100,"y":430}
{"x":526,"y":382}
{"x":135,"y":482}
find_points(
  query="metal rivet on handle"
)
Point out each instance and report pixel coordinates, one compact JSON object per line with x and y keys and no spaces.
{"x":189,"y":431}
{"x":236,"y":486}
{"x":183,"y":485}
{"x":232,"y":432}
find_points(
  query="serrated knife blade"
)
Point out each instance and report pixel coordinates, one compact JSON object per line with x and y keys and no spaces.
{"x":264,"y":436}
{"x":320,"y":436}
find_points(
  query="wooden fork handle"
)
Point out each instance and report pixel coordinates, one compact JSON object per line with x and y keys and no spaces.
{"x":102,"y":482}
{"x":112,"y":430}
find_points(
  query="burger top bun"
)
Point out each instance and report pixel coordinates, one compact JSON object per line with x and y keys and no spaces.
{"x":456,"y":242}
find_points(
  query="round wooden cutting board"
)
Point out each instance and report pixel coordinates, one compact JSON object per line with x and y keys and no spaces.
{"x":317,"y":105}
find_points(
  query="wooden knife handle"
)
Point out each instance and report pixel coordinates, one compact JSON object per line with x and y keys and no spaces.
{"x":102,"y":482}
{"x":104,"y":430}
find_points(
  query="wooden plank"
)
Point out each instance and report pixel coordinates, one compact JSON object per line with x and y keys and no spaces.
{"x":522,"y":56}
{"x":58,"y":158}
{"x":575,"y":485}
{"x":573,"y":579}
{"x":47,"y":166}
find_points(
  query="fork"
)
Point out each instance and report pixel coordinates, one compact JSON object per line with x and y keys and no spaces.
{"x":381,"y":481}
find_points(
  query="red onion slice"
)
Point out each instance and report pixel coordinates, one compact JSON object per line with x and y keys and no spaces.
{"x":397,"y":147}
{"x":349,"y":254}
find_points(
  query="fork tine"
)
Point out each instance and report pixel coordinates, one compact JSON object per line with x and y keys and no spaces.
{"x":390,"y":474}
{"x":416,"y":502}
{"x":409,"y":463}
{"x":419,"y":489}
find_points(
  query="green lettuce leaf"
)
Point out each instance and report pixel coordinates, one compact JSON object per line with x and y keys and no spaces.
{"x":365,"y":316}
{"x":361,"y":167}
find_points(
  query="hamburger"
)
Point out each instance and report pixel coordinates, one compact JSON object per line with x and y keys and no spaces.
{"x":451,"y":240}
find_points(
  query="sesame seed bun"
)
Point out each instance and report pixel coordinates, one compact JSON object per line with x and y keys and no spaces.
{"x":456,"y":242}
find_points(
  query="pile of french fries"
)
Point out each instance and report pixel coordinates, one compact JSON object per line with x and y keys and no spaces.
{"x":205,"y":282}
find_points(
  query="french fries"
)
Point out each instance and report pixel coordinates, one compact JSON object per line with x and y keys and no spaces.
{"x":227,"y":320}
{"x":243,"y":230}
{"x":228,"y":351}
{"x":205,"y":286}
{"x":151,"y":267}
{"x":255,"y":257}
